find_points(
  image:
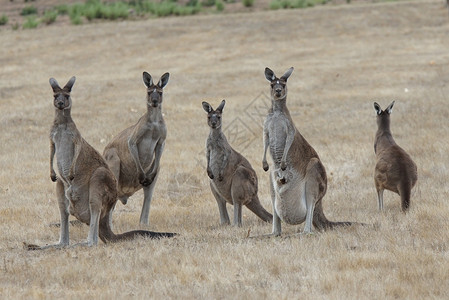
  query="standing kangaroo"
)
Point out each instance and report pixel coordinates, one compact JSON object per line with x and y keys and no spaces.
{"x":298,"y":180}
{"x":232,"y":179}
{"x":134,"y":154}
{"x":85,"y":187}
{"x":395,"y":170}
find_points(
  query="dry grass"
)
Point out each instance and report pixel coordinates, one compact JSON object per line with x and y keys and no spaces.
{"x":345,"y":58}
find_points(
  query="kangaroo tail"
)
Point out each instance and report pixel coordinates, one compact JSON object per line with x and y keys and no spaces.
{"x":405,"y":192}
{"x":258,"y":209}
{"x":106,"y":234}
{"x":321,"y":222}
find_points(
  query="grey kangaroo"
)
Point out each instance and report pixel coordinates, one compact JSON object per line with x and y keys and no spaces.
{"x":85,"y":187}
{"x":134,"y":154}
{"x":395,"y":170}
{"x":298,"y":179}
{"x":232,"y":179}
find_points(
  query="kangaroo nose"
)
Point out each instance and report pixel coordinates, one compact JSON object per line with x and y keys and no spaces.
{"x":278,"y":90}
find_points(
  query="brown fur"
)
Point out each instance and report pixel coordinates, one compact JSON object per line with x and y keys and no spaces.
{"x":395,"y":170}
{"x":134,"y":154}
{"x":232,"y":179}
{"x":298,"y":179}
{"x":85,"y":186}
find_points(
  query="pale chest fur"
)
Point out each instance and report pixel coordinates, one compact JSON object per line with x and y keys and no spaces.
{"x":290,"y":198}
{"x":154,"y":133}
{"x":218,"y":152}
{"x":63,"y":138}
{"x":278,"y":127}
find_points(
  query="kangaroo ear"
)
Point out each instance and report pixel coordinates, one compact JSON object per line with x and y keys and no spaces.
{"x":222,"y":104}
{"x":164,"y":80}
{"x":69,"y":84}
{"x":269,"y":74}
{"x":389,"y":109}
{"x":377,"y":108}
{"x":147,"y":79}
{"x":287,"y":74}
{"x":54,"y":85}
{"x":207,"y":107}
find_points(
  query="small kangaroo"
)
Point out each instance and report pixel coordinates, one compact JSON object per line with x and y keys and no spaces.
{"x":395,"y":170}
{"x":134,"y":154}
{"x":85,"y":187}
{"x":298,"y":180}
{"x":232,"y":179}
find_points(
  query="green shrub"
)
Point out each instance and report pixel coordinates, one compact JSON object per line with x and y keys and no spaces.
{"x":208,"y":3}
{"x":248,"y":3}
{"x":15,"y":26}
{"x":28,"y":10}
{"x":276,"y":4}
{"x":75,"y":14}
{"x":31,"y":22}
{"x":3,"y":20}
{"x":219,"y":5}
{"x":192,"y":3}
{"x":49,"y":17}
{"x":62,"y":9}
{"x":165,"y":8}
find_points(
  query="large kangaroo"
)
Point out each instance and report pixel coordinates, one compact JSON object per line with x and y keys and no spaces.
{"x":232,"y":179}
{"x":85,"y":187}
{"x":298,"y":179}
{"x":135,"y":153}
{"x":395,"y":170}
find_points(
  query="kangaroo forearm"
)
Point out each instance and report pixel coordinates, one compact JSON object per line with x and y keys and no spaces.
{"x":157,"y":158}
{"x":52,"y":156}
{"x":135,"y":155}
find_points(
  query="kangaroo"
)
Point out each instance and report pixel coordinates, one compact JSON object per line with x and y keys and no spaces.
{"x":395,"y":170}
{"x":298,"y":180}
{"x":232,"y":179}
{"x":134,"y":154}
{"x":85,"y":187}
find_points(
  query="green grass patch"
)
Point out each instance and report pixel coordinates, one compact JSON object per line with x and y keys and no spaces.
{"x":28,"y":10}
{"x":30,"y":22}
{"x":248,"y":3}
{"x":49,"y":17}
{"x":219,"y":5}
{"x":3,"y":20}
{"x":285,"y":4}
{"x":62,"y":9}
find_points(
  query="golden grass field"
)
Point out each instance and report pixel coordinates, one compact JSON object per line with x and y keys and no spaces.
{"x":345,"y":58}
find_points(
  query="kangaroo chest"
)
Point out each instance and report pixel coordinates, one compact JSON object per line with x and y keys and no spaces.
{"x":153,"y":135}
{"x":65,"y":149}
{"x":218,"y":153}
{"x":278,"y":127}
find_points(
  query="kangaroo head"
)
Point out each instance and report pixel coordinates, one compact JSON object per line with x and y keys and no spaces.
{"x":214,"y":116}
{"x":383,"y":116}
{"x":278,"y":85}
{"x":154,"y":91}
{"x":62,"y":98}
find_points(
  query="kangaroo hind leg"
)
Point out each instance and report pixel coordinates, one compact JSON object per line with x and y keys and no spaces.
{"x":314,"y":190}
{"x":102,"y":194}
{"x":221,"y":202}
{"x":147,"y":197}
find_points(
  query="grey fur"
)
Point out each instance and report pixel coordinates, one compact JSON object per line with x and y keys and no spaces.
{"x":232,"y":179}
{"x":134,"y":154}
{"x":298,"y":179}
{"x":85,"y":186}
{"x":395,"y":169}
